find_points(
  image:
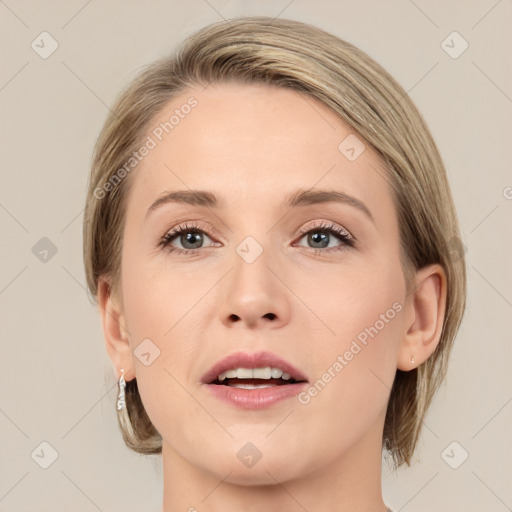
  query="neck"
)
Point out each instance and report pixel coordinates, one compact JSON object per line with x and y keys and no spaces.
{"x":350,"y":482}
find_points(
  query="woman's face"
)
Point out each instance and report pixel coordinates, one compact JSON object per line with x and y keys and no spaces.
{"x":260,"y":275}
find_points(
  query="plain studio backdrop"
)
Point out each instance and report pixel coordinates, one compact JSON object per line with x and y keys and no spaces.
{"x":63,"y":63}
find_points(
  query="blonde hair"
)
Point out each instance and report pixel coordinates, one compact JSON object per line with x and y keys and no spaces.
{"x":294,"y":55}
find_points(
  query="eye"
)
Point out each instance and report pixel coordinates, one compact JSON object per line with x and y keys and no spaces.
{"x":320,"y":236}
{"x":189,"y":235}
{"x":191,"y":238}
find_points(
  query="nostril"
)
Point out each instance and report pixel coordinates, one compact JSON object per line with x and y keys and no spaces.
{"x":270,"y":316}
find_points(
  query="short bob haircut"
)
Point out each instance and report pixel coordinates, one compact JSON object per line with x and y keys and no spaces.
{"x":306,"y":59}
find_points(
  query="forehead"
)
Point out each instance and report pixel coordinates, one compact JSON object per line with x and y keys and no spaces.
{"x":251,"y":144}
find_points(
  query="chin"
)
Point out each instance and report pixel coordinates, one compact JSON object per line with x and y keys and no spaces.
{"x":256,"y":464}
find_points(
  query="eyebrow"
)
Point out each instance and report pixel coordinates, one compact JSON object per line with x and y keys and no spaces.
{"x":297,"y":199}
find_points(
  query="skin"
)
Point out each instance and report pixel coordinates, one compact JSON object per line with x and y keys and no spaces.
{"x":252,"y":145}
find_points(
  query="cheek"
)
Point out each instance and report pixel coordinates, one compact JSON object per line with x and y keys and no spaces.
{"x":355,"y":368}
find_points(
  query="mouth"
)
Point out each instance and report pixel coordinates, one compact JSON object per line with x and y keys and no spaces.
{"x":254,"y":381}
{"x":262,"y":369}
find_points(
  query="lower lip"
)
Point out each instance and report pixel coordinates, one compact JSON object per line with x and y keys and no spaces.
{"x":257,"y":398}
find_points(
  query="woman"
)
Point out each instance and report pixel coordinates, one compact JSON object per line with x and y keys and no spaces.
{"x":272,"y":243}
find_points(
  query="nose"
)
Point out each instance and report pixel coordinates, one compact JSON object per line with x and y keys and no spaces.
{"x":255,"y":296}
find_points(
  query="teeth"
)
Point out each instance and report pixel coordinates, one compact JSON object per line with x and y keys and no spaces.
{"x":253,"y":386}
{"x":254,"y":373}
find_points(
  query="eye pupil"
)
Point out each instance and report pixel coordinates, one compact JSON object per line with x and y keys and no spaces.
{"x":192,"y":236}
{"x":319,"y":237}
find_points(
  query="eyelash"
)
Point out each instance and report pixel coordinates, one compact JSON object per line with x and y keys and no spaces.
{"x":348,"y":240}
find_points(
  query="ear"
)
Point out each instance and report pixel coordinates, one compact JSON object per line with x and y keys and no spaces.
{"x":114,"y":330}
{"x":425,"y":312}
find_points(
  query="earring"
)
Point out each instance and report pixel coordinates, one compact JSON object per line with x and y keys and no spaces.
{"x":412,"y":359}
{"x":121,"y":404}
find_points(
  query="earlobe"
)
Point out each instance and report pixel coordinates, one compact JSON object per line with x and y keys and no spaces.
{"x":114,"y":329}
{"x":425,"y":312}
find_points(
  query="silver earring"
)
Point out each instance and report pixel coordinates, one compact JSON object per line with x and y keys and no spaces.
{"x":121,"y":404}
{"x":412,"y":359}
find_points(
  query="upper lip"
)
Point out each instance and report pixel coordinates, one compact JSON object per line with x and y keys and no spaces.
{"x":248,"y":360}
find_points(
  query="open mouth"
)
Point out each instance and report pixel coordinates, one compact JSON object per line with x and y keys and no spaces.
{"x":254,"y":383}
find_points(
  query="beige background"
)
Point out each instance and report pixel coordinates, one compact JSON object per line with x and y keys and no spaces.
{"x":58,"y":385}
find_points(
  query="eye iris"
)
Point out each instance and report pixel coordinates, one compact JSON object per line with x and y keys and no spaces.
{"x":191,"y":236}
{"x":319,"y":237}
